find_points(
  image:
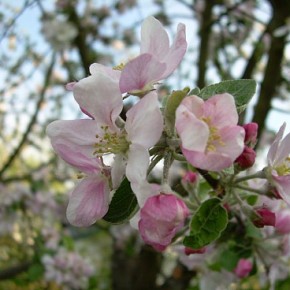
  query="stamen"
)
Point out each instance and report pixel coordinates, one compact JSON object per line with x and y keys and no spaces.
{"x":119,"y":67}
{"x":111,"y":142}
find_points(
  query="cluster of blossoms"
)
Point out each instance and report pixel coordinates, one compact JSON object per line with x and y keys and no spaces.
{"x":202,"y":133}
{"x":67,"y":269}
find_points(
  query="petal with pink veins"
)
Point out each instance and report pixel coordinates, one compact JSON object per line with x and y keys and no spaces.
{"x":176,"y":51}
{"x":141,"y":73}
{"x":100,"y":97}
{"x":89,"y":201}
{"x":216,"y":107}
{"x":154,"y":38}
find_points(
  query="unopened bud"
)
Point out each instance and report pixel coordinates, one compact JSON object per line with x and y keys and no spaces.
{"x":247,"y":158}
{"x":243,"y":268}
{"x":189,"y":251}
{"x":251,"y":130}
{"x":265,"y":218}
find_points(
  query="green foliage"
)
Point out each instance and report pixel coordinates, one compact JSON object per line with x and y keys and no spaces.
{"x":241,"y":90}
{"x":173,"y":101}
{"x":123,"y":205}
{"x":207,"y":224}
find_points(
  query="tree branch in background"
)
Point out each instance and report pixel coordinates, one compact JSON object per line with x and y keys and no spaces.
{"x":33,"y":120}
{"x":272,"y":76}
{"x":204,"y":34}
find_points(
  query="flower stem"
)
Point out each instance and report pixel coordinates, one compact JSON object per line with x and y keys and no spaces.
{"x":250,"y":189}
{"x":259,"y":174}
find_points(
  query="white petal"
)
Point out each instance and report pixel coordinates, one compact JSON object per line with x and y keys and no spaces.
{"x":100,"y":96}
{"x":144,"y":123}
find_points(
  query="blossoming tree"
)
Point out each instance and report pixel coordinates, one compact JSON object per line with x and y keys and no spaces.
{"x":177,"y":169}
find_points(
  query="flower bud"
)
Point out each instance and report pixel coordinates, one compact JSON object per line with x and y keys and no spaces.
{"x":247,"y":158}
{"x":160,"y":219}
{"x":265,"y":218}
{"x":251,"y":130}
{"x":189,"y":251}
{"x":243,"y":268}
{"x":190,"y":177}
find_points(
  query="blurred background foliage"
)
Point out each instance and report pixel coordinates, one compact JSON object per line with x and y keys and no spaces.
{"x":46,"y":44}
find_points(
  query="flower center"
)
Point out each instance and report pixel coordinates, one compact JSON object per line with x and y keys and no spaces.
{"x":111,"y":142}
{"x":119,"y":66}
{"x":284,"y":167}
{"x":214,"y":136}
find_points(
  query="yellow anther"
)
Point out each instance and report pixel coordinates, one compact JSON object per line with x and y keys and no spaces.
{"x":119,"y":67}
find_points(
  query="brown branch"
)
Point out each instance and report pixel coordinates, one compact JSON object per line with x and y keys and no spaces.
{"x":14,"y":271}
{"x":32,"y":120}
{"x":204,"y":34}
{"x":272,"y":76}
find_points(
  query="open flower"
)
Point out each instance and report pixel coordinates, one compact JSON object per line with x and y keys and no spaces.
{"x":210,"y":136}
{"x":279,"y":164}
{"x":81,"y":142}
{"x":157,"y":60}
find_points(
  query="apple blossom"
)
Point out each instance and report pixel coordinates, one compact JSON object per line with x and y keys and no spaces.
{"x":161,"y":218}
{"x":83,"y":143}
{"x":278,"y":169}
{"x":210,"y":136}
{"x":157,"y":60}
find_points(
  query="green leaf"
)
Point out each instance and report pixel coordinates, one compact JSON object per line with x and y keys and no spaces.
{"x":241,"y":90}
{"x":35,"y":272}
{"x":172,"y":103}
{"x":123,"y":205}
{"x":207,"y":224}
{"x":195,"y":91}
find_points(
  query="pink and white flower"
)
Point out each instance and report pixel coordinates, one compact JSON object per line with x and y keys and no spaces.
{"x":279,"y":164}
{"x":157,"y":59}
{"x":83,"y":143}
{"x":210,"y":136}
{"x":161,"y":217}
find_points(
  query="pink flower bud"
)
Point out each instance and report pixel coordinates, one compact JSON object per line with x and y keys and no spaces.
{"x":190,"y":177}
{"x":243,"y":268}
{"x":283,"y":221}
{"x":266,"y":218}
{"x":251,"y":130}
{"x":247,"y":158}
{"x":160,"y":219}
{"x":189,"y":251}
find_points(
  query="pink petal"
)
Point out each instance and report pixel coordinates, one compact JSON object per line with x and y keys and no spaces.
{"x":154,"y":38}
{"x":74,"y":133}
{"x":283,"y":150}
{"x":73,"y":156}
{"x":141,"y":73}
{"x":100,"y":97}
{"x":193,"y":132}
{"x":275,"y":145}
{"x":89,"y":201}
{"x":211,"y":161}
{"x":144,"y":123}
{"x":176,"y":51}
{"x":221,"y":110}
{"x":232,"y":141}
{"x":194,"y":104}
{"x":96,"y":68}
{"x":282,"y":184}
